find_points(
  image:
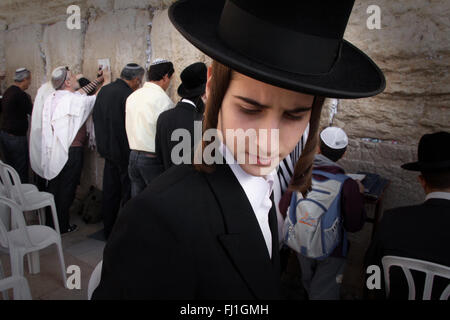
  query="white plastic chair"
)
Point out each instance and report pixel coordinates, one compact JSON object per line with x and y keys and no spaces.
{"x":94,"y":280}
{"x":25,"y":187}
{"x":28,"y":197}
{"x":431,"y":270}
{"x":19,"y":285}
{"x":24,"y":239}
{"x":2,"y":275}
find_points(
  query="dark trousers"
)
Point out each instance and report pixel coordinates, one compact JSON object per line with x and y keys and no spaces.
{"x":116,"y":192}
{"x":64,"y":186}
{"x":142,"y":170}
{"x":15,"y":153}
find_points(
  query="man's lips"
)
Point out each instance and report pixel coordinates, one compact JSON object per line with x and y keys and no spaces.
{"x":261,"y":161}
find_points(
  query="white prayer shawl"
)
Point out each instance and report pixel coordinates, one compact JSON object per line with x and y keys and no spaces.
{"x":36,"y":127}
{"x":63,"y":115}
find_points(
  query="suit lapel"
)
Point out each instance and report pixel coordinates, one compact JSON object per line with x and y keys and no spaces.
{"x":243,"y":240}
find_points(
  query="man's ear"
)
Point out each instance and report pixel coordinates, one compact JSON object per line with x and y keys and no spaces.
{"x":422,"y":182}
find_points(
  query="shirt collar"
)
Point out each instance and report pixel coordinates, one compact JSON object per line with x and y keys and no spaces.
{"x":153,"y":86}
{"x":438,"y":195}
{"x":256,"y":188}
{"x":189,"y":102}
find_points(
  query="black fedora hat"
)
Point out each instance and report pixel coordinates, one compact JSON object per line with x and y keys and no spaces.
{"x":433,"y":153}
{"x":296,"y":45}
{"x":193,"y":80}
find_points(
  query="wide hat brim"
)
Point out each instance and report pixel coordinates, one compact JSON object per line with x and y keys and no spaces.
{"x":190,"y":93}
{"x":427,"y":166}
{"x":354,"y":74}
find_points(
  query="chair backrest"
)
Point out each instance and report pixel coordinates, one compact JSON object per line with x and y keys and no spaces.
{"x":12,"y":183}
{"x":20,"y":286}
{"x":18,"y":221}
{"x":94,"y":281}
{"x":430,"y":269}
{"x":4,"y":232}
{"x":5,"y":215}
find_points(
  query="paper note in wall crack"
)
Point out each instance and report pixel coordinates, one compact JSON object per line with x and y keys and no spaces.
{"x":104,"y":63}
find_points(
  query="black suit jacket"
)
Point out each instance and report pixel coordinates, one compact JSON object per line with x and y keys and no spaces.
{"x":418,"y":232}
{"x":190,"y":235}
{"x":182,"y":116}
{"x":109,"y":120}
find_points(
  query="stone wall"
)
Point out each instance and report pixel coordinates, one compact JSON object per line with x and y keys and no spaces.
{"x":412,"y":48}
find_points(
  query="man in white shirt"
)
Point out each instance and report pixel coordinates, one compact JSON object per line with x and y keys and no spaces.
{"x":63,"y":113}
{"x":143,"y":108}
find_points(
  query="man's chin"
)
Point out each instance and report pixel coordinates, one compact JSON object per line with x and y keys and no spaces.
{"x":258,"y":170}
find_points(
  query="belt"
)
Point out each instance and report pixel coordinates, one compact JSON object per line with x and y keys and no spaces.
{"x":146,"y":153}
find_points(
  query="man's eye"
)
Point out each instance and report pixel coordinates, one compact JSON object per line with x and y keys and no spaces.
{"x":291,"y":116}
{"x":250,"y":111}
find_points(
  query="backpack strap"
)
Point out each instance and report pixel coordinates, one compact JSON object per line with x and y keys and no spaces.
{"x":293,"y":208}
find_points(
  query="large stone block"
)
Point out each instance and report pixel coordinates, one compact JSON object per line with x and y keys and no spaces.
{"x":2,"y":55}
{"x":142,"y":4}
{"x":92,"y":174}
{"x":408,"y":28}
{"x":120,"y":36}
{"x":22,"y":49}
{"x":169,"y":44}
{"x":103,"y":5}
{"x":386,"y":159}
{"x":412,"y":47}
{"x":24,"y":12}
{"x":403,"y":119}
{"x":62,"y":47}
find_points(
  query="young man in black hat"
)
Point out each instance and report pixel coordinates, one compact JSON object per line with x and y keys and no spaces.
{"x":209,"y":231}
{"x":183,"y":116}
{"x":418,"y":231}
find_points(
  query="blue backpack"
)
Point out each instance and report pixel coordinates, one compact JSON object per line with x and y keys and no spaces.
{"x":314,"y":224}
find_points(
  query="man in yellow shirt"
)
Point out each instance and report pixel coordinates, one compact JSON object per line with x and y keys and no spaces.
{"x":143,"y":108}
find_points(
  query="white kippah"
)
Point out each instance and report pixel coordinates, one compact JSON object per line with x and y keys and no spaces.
{"x":334,"y":137}
{"x":21,"y":74}
{"x":159,"y":61}
{"x":58,"y":77}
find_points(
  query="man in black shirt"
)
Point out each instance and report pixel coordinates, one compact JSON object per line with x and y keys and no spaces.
{"x":112,"y":142}
{"x":16,"y":106}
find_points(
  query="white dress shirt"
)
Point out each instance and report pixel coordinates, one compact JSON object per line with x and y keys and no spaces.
{"x":142,"y":110}
{"x":258,"y":191}
{"x":438,"y":195}
{"x":63,"y":115}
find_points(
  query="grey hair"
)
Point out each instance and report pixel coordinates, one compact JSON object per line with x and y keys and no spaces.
{"x":21,"y":74}
{"x":132,"y":71}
